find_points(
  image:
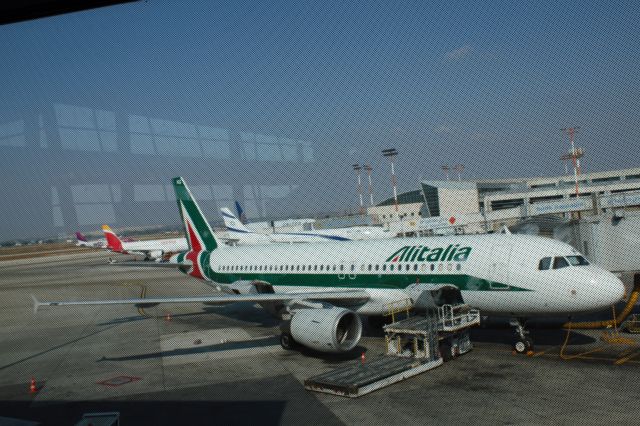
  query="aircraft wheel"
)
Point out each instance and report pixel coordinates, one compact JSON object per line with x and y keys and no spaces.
{"x":287,"y":342}
{"x":522,"y":346}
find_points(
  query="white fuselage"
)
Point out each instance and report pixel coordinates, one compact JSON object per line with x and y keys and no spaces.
{"x":498,"y":274}
{"x":168,"y":245}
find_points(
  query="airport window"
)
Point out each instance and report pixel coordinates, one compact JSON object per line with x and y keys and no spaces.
{"x":353,"y":268}
{"x":415,"y":267}
{"x":545,"y":263}
{"x":369,"y":267}
{"x":315,"y":267}
{"x":321,"y":267}
{"x":309,"y":268}
{"x":342,"y":267}
{"x":391,"y":267}
{"x":458,"y":267}
{"x":560,"y":262}
{"x":433,"y":267}
{"x":384,"y":267}
{"x":297,"y":267}
{"x":377,"y":267}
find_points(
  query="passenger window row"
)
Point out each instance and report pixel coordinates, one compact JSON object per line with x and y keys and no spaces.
{"x":340,"y":268}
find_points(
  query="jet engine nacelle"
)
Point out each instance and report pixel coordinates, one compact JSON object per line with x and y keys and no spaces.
{"x":326,"y":330}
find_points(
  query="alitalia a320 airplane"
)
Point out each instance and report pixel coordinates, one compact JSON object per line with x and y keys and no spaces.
{"x":321,"y":290}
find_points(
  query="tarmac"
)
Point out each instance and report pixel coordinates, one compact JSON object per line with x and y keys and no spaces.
{"x":197,"y":364}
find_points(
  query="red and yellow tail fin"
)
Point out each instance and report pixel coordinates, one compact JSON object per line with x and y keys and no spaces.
{"x":113,"y":242}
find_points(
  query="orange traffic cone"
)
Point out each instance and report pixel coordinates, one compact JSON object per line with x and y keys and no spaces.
{"x":33,"y":388}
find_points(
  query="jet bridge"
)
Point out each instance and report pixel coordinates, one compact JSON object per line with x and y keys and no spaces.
{"x":415,"y":344}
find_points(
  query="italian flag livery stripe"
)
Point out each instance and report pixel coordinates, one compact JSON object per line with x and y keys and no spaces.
{"x":375,"y":281}
{"x":198,"y":232}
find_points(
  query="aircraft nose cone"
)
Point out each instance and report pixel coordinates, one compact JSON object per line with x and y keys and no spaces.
{"x":619,"y":291}
{"x":610,"y":287}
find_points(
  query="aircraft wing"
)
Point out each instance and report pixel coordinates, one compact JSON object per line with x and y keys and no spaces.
{"x":355,"y":295}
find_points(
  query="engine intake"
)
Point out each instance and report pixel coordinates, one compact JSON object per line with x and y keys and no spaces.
{"x":326,"y":330}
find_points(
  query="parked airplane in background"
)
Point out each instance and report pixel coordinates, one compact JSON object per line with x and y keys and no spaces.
{"x":151,"y":249}
{"x":241,"y":215}
{"x":237,"y":231}
{"x":82,"y":241}
{"x":320,"y":290}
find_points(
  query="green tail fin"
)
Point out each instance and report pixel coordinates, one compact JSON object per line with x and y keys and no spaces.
{"x":197,"y":230}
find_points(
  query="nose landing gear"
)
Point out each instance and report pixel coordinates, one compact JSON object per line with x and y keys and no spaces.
{"x":522,"y":343}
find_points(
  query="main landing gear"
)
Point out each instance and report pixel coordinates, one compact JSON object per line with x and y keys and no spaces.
{"x":522,"y":343}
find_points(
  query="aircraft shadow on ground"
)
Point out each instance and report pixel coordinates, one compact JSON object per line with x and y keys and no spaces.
{"x":244,"y":312}
{"x":540,"y":336}
{"x":332,"y":358}
{"x":56,"y":347}
{"x":239,"y":312}
{"x":199,"y":349}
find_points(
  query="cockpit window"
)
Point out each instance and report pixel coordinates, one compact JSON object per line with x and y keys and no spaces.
{"x":577,"y":261}
{"x":560,"y":262}
{"x":545,"y":263}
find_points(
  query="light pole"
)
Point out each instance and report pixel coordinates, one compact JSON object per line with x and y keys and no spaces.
{"x":357,"y":169}
{"x":458,"y":168}
{"x":369,"y":169}
{"x":391,"y":154}
{"x":446,"y":170}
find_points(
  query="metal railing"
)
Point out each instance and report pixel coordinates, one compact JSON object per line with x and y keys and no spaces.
{"x":455,"y":317}
{"x":394,"y":308}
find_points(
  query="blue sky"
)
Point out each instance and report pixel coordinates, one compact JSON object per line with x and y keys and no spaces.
{"x":485,"y":84}
{"x":467,"y":76}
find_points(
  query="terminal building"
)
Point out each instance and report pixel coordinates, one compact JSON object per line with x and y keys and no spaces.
{"x":488,"y":204}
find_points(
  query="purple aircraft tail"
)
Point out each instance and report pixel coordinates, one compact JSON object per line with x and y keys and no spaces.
{"x":81,"y":237}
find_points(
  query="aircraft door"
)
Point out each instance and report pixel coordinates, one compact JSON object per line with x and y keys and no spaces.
{"x":500,"y":267}
{"x":341,"y":270}
{"x":352,"y":270}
